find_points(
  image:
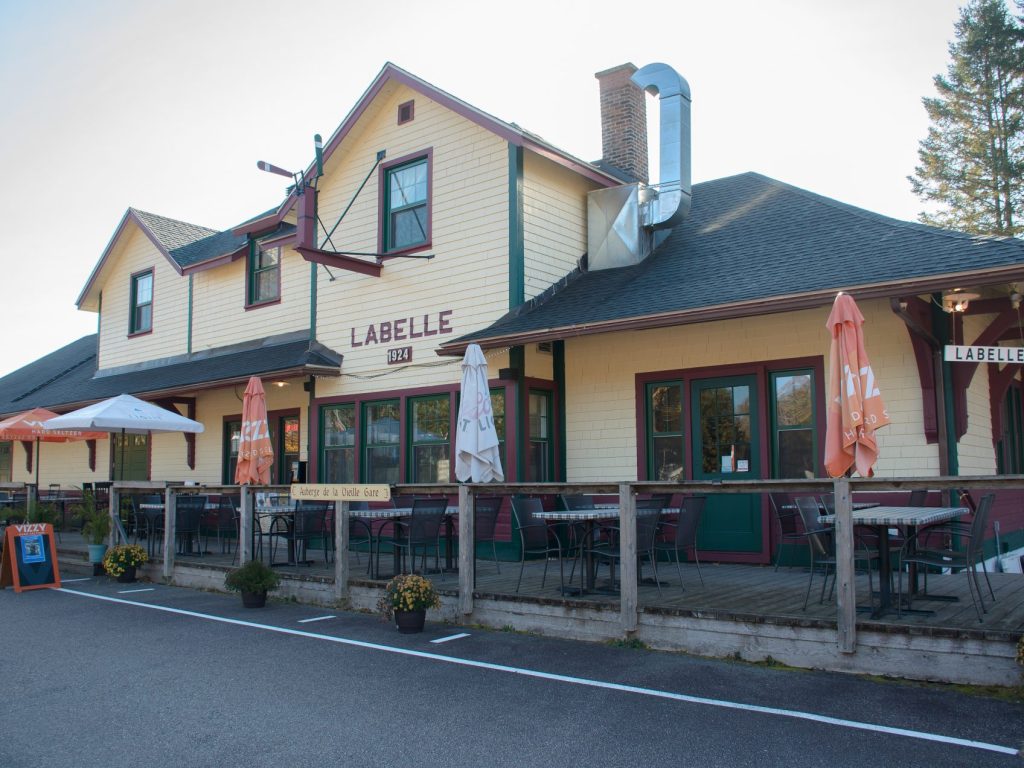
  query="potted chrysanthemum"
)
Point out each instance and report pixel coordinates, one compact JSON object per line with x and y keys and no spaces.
{"x":407,"y":598}
{"x":122,"y":560}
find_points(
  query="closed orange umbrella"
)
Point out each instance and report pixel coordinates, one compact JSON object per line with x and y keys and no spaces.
{"x":855,"y":407}
{"x":255,"y":452}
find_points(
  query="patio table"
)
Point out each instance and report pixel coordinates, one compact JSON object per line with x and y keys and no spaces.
{"x":589,"y":518}
{"x":911,"y":518}
{"x":400,"y":513}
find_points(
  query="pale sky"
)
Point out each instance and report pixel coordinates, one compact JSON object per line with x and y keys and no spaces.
{"x":166,"y":106}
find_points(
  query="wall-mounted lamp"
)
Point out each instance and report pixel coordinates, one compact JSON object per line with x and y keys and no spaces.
{"x":280,"y":384}
{"x":957,"y":300}
{"x":1015,"y":297}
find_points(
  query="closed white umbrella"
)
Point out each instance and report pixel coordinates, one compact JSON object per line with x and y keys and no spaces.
{"x":477,"y":456}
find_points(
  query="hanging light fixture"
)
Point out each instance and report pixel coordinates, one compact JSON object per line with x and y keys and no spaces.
{"x":958,"y":300}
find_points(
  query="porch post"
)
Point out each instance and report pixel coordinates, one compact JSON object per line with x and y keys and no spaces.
{"x":846,"y":596}
{"x":341,"y":555}
{"x":113,"y":508}
{"x":245,"y":526}
{"x":627,"y":558}
{"x":467,"y":549}
{"x":170,"y":519}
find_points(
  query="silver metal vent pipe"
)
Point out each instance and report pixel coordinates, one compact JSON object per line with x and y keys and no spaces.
{"x":672,"y":203}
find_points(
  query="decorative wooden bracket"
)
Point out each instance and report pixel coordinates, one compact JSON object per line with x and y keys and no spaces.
{"x":963,"y":373}
{"x":172,"y":403}
{"x":27,"y":445}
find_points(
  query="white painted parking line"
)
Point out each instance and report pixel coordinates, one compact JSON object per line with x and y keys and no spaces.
{"x":129,"y":591}
{"x":68,"y":581}
{"x":451,"y":637}
{"x":796,"y":714}
{"x":316,"y":618}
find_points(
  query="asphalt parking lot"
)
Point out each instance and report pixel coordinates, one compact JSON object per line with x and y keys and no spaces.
{"x":101,"y":673}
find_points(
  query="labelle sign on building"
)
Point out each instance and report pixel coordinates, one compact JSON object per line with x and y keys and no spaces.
{"x":972,"y":354}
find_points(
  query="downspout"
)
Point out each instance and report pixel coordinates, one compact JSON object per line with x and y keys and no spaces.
{"x":188,"y":341}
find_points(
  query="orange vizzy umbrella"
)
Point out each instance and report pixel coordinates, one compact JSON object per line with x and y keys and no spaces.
{"x":255,"y":452}
{"x":29,"y":426}
{"x":855,"y":407}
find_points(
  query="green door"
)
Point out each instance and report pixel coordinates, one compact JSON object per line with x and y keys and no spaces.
{"x":726,"y":447}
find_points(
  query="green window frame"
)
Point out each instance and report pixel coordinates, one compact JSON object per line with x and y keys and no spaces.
{"x":406,"y":205}
{"x":263,"y":274}
{"x":429,"y":456}
{"x":1010,"y":447}
{"x":232,"y":439}
{"x":540,"y":459}
{"x":141,"y":319}
{"x":6,"y":461}
{"x":666,"y":439}
{"x":794,"y":436}
{"x":338,"y":443}
{"x":381,"y":442}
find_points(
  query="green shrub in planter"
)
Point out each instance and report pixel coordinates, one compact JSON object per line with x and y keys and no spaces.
{"x":254,"y":577}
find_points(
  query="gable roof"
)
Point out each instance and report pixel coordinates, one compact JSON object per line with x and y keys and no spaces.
{"x":511,"y":132}
{"x":753,"y":245}
{"x":67,"y":378}
{"x":186,"y":246}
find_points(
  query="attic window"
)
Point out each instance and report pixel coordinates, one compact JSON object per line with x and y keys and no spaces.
{"x":406,"y":111}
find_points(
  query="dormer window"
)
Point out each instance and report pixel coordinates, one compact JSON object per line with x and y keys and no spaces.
{"x":141,"y":318}
{"x":264,"y":275}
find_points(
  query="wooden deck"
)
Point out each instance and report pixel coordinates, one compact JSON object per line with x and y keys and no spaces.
{"x":748,"y":593}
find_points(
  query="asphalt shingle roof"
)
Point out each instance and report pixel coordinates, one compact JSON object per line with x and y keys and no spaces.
{"x":189,"y":244}
{"x":748,"y":238}
{"x":67,"y":376}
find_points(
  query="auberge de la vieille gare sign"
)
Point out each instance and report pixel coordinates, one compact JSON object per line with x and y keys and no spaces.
{"x":972,"y":354}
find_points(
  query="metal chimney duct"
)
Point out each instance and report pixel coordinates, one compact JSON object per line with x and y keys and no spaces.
{"x":621,"y":220}
{"x":672,"y":203}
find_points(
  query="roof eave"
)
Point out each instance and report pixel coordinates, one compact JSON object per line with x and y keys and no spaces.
{"x":767,"y":305}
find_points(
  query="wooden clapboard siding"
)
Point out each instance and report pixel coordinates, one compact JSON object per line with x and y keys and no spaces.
{"x":554,"y":221}
{"x":601,"y":395}
{"x":133,"y":254}
{"x":975,"y":450}
{"x":64,"y":463}
{"x":220,"y":317}
{"x":469,"y":229}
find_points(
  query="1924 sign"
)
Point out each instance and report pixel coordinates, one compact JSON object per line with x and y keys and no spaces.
{"x":399,"y":355}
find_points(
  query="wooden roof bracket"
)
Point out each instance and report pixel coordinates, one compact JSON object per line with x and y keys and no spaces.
{"x":916,"y":315}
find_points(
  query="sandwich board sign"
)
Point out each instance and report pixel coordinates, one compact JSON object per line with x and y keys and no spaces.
{"x":29,"y":559}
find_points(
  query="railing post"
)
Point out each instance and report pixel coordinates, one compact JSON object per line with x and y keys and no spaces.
{"x":467,"y":549}
{"x":846,"y":595}
{"x":627,"y":558}
{"x":170,"y":521}
{"x":113,"y":508}
{"x":341,"y":553}
{"x":245,"y":526}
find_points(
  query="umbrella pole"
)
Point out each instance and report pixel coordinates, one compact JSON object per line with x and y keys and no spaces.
{"x":120,"y":464}
{"x":37,"y":469}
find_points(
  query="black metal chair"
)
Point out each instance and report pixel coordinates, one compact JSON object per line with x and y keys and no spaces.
{"x":956,"y":548}
{"x":535,"y":538}
{"x":821,"y":544}
{"x":577,"y":531}
{"x":149,"y":523}
{"x":306,"y":523}
{"x":188,"y":514}
{"x":648,"y":518}
{"x":222,"y":522}
{"x":360,"y":531}
{"x":486,"y":509}
{"x":789,"y":523}
{"x":420,"y":531}
{"x":682,"y":534}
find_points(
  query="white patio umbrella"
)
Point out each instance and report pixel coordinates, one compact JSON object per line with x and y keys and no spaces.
{"x":477,"y":456}
{"x":127,"y":415}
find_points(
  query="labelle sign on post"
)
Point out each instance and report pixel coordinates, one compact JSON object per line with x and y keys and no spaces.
{"x":973,"y":354}
{"x":29,"y":558}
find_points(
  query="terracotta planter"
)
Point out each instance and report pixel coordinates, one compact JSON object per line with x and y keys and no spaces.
{"x":410,"y":622}
{"x":254,"y":599}
{"x":128,"y":575}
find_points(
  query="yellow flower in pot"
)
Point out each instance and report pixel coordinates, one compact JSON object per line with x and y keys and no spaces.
{"x":122,"y":560}
{"x":407,"y":598}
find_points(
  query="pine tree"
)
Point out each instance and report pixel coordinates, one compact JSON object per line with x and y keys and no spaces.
{"x":972,"y":162}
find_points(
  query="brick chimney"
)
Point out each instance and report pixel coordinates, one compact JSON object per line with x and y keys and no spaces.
{"x":623,"y":122}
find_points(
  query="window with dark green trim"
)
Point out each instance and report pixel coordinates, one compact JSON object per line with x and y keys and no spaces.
{"x":6,"y":463}
{"x":1010,"y":448}
{"x":406,"y":215}
{"x":794,"y":437}
{"x":498,"y":412}
{"x":381,"y":436}
{"x":338,"y":441}
{"x":540,"y":463}
{"x":141,"y":319}
{"x":665,"y":440}
{"x":264,"y":274}
{"x":429,"y":439}
{"x":232,"y":437}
